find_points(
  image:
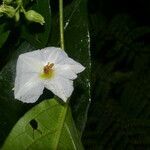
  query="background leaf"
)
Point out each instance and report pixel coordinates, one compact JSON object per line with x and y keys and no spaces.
{"x":34,"y":33}
{"x":49,"y":123}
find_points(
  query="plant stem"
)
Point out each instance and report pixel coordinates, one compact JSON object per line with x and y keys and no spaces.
{"x":61,"y":22}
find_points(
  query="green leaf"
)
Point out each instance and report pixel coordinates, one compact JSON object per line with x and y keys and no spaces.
{"x":34,"y":33}
{"x":3,"y":35}
{"x":48,"y":125}
{"x":77,"y":45}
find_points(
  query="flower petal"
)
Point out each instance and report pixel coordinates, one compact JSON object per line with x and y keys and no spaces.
{"x":29,"y":86}
{"x":65,"y":71}
{"x":30,"y":62}
{"x":34,"y":55}
{"x":29,"y":91}
{"x":53,"y":54}
{"x":73,"y":65}
{"x":61,"y":87}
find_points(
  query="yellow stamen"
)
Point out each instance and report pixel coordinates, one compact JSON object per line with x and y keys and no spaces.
{"x":47,"y":71}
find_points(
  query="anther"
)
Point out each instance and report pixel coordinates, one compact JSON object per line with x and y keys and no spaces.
{"x":48,"y":68}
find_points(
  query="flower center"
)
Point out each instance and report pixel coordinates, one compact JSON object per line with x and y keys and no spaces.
{"x":48,"y":68}
{"x":47,"y":71}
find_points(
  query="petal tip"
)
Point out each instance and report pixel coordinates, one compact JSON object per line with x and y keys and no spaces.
{"x":81,"y":68}
{"x":65,"y":99}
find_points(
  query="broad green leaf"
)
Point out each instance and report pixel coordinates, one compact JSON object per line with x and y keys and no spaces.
{"x":3,"y":35}
{"x":34,"y":33}
{"x":10,"y":109}
{"x":48,"y":125}
{"x":77,"y":45}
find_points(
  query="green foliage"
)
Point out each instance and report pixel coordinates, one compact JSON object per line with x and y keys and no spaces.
{"x":15,"y":8}
{"x":48,"y":125}
{"x":119,"y":114}
{"x":118,"y":117}
{"x":25,"y":40}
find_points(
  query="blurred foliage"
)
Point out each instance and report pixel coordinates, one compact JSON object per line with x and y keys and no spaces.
{"x":119,"y":116}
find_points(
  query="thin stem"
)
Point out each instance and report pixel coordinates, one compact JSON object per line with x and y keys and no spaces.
{"x":61,"y":22}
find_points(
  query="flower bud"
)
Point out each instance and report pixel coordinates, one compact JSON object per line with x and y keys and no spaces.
{"x":8,"y":10}
{"x":33,"y":16}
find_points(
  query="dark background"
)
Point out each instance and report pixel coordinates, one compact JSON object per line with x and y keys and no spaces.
{"x":119,"y":115}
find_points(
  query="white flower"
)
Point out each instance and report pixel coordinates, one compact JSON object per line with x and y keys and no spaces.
{"x":49,"y":68}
